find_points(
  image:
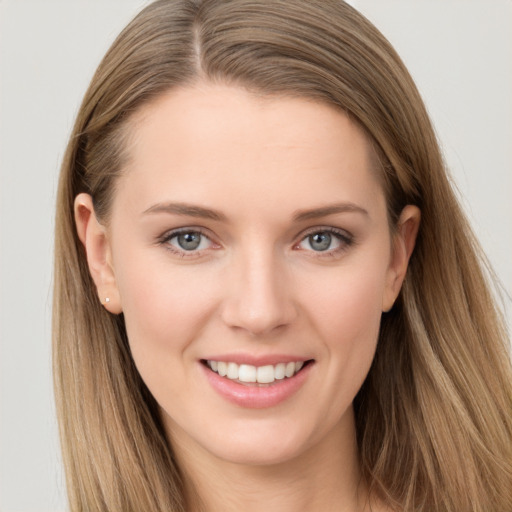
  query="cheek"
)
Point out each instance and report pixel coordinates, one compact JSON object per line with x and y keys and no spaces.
{"x":164,"y":308}
{"x":347,"y":303}
{"x":346,"y":313}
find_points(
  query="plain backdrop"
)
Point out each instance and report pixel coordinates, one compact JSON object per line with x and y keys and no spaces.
{"x":458,"y":51}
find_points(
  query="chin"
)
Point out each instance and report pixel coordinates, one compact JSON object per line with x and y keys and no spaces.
{"x":260,"y":445}
{"x":256,"y":454}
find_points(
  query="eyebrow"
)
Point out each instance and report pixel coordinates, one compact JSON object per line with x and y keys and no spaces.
{"x":207,"y":213}
{"x":324,"y":211}
{"x":186,"y":210}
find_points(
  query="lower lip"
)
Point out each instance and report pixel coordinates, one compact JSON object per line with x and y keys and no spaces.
{"x":254,"y":396}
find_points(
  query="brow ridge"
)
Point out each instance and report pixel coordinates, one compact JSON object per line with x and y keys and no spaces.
{"x":187,"y":210}
{"x":190,"y":210}
{"x":324,"y":211}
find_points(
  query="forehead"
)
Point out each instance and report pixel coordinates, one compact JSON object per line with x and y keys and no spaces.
{"x":210,"y":140}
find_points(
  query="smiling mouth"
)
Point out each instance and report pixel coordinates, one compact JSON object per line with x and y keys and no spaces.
{"x":249,"y":375}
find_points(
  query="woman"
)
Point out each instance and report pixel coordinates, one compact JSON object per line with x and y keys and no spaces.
{"x":255,"y":234}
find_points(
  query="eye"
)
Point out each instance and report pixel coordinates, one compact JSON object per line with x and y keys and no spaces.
{"x":190,"y":241}
{"x":325,"y":240}
{"x":320,"y":241}
{"x":186,"y":241}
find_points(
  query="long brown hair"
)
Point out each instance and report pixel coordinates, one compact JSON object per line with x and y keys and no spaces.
{"x":434,"y":414}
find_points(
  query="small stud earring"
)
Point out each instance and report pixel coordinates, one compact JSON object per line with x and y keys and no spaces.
{"x":107,"y":300}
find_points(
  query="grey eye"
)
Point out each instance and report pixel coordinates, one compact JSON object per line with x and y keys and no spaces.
{"x":188,"y":241}
{"x":320,"y":241}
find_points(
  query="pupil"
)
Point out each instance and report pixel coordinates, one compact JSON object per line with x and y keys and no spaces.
{"x":189,"y":241}
{"x":320,"y":241}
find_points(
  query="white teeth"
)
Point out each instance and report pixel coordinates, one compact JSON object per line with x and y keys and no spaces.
{"x":222,"y":368}
{"x":290,"y":369}
{"x":265,"y":374}
{"x":279,"y":371}
{"x":261,"y":374}
{"x":247,"y":373}
{"x":232,"y":371}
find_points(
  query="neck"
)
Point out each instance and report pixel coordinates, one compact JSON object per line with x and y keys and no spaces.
{"x":324,"y":477}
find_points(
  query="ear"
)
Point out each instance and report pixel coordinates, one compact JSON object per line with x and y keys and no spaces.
{"x":403,"y":245}
{"x":94,"y":238}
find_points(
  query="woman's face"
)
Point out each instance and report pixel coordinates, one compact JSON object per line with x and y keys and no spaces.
{"x":249,"y":235}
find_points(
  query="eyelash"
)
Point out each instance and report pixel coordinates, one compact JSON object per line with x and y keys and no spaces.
{"x":344,"y":238}
{"x":166,"y":238}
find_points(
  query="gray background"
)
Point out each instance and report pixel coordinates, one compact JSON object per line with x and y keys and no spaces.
{"x":459,"y":52}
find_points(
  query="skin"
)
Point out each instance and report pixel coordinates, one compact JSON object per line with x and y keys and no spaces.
{"x":256,"y":285}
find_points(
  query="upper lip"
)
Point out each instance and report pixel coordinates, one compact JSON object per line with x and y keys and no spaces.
{"x":260,"y":360}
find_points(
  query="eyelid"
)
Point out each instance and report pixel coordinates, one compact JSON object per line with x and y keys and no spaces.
{"x":341,"y":233}
{"x":172,"y":233}
{"x":345,"y":238}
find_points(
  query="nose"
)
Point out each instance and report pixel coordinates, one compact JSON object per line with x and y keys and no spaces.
{"x":258,"y":296}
